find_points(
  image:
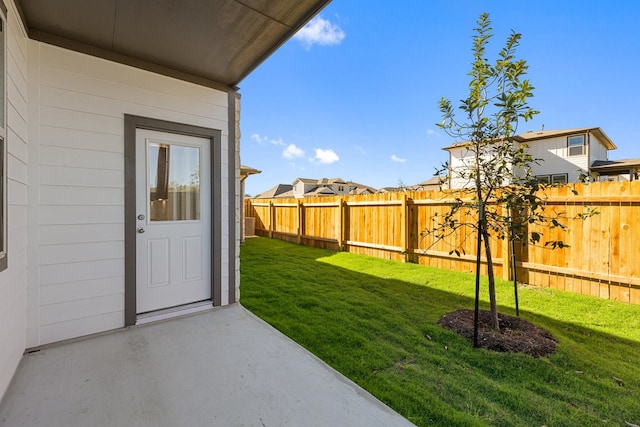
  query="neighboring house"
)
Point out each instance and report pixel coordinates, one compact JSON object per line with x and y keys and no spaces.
{"x":119,"y":151}
{"x":436,"y":183}
{"x":568,"y":155}
{"x":304,"y":187}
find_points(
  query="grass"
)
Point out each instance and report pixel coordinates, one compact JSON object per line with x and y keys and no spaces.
{"x":375,"y":321}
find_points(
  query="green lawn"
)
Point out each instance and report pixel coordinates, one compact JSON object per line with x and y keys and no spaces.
{"x":375,"y":321}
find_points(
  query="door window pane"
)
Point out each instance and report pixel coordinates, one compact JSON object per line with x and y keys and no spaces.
{"x":173,"y":182}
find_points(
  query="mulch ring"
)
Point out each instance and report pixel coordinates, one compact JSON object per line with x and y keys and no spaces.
{"x":516,"y":334}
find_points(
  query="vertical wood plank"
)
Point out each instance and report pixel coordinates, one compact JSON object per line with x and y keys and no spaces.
{"x":299,"y":220}
{"x":404,"y":229}
{"x":271,"y":218}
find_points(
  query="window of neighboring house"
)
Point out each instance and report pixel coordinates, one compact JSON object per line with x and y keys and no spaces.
{"x":341,"y":188}
{"x":559,"y":178}
{"x":3,"y":138}
{"x":575,"y":145}
{"x":543,"y":179}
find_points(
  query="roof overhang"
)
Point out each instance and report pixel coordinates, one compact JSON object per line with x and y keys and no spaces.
{"x":546,"y":134}
{"x":615,"y":166}
{"x":215,"y":43}
{"x":246,"y":171}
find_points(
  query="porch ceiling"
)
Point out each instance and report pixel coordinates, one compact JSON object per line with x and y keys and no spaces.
{"x":207,"y":41}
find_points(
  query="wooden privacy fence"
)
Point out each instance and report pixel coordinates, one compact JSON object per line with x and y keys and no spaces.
{"x":603,"y":257}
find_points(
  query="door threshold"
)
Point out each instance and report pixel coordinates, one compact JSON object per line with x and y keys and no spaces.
{"x":172,"y":312}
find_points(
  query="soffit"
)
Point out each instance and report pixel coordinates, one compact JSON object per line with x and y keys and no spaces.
{"x":214,"y":40}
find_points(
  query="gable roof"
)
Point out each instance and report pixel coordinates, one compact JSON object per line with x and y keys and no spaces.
{"x":209,"y":42}
{"x":280,"y":190}
{"x":531,"y":136}
{"x":544,"y":134}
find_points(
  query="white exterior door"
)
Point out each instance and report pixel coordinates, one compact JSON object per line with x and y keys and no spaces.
{"x":173,"y":223}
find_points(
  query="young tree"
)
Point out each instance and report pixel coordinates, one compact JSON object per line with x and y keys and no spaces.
{"x":496,"y":176}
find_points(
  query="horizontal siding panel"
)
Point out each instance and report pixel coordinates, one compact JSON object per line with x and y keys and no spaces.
{"x":81,"y":309}
{"x":17,"y":44}
{"x":56,"y":117}
{"x":80,"y":233}
{"x":82,"y":139}
{"x":17,"y":99}
{"x":17,"y":146}
{"x":16,"y":122}
{"x":16,"y":169}
{"x":81,"y":196}
{"x":82,"y":93}
{"x":80,"y":327}
{"x":69,"y":253}
{"x":74,"y":158}
{"x":17,"y":272}
{"x":56,"y":175}
{"x":16,"y":240}
{"x":61,"y":273}
{"x":17,"y":192}
{"x":73,"y":97}
{"x":17,"y":216}
{"x":81,"y":215}
{"x":73,"y":291}
{"x":63,"y":59}
{"x":16,"y":70}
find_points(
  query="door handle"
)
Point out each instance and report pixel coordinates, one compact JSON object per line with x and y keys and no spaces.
{"x":140,"y":230}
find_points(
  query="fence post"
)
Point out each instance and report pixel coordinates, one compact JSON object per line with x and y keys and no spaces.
{"x":404,"y":238}
{"x":271,"y":218}
{"x":299,"y":214}
{"x":506,"y":254}
{"x":343,"y":223}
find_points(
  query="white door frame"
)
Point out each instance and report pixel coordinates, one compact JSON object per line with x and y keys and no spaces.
{"x":132,"y":123}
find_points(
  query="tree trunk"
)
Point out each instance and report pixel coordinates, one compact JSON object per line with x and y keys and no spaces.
{"x":492,"y":281}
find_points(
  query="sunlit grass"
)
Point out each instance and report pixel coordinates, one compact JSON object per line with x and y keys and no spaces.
{"x":375,"y":321}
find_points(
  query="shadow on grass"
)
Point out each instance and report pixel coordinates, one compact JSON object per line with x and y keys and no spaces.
{"x":381,"y":331}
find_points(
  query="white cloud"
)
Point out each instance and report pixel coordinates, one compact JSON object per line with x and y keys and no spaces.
{"x":326,"y":156}
{"x":319,"y":31}
{"x":397,"y":159}
{"x":261,"y":140}
{"x":291,"y":152}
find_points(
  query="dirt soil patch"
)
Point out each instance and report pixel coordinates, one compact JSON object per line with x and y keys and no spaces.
{"x":516,"y":334}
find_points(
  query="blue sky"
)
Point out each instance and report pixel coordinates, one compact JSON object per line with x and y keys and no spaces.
{"x":355,"y":94}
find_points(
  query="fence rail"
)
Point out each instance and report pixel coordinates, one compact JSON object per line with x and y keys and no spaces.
{"x":603,"y":257}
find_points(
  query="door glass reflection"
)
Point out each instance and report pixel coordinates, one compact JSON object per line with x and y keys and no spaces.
{"x":173,"y":182}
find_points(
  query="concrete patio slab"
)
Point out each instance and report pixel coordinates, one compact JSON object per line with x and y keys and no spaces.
{"x":223,"y":367}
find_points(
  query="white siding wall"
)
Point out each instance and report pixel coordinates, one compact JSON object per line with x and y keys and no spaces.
{"x":556,"y":159}
{"x":239,"y":220}
{"x":13,"y":281}
{"x":77,"y":107}
{"x":460,"y":159}
{"x":598,"y":150}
